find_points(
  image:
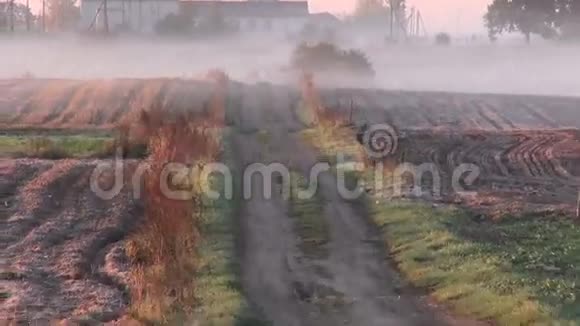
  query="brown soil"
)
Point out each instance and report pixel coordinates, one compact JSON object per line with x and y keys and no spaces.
{"x":104,"y":103}
{"x":93,"y":104}
{"x":429,"y":110}
{"x":61,"y":245}
{"x":521,"y":171}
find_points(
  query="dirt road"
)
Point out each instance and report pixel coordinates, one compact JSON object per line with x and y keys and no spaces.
{"x":354,"y":285}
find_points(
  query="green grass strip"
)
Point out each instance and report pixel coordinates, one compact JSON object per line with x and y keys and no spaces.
{"x":218,"y":287}
{"x":56,"y":147}
{"x":309,"y":221}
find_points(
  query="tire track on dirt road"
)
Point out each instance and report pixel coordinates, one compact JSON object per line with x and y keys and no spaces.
{"x":280,"y":280}
{"x":373,"y":291}
{"x":271,"y":265}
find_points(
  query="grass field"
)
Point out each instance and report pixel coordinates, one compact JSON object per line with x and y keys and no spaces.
{"x":56,"y":147}
{"x":309,"y":221}
{"x":519,"y":270}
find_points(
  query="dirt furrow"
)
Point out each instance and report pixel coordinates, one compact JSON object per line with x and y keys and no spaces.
{"x":69,"y":262}
{"x":13,"y":175}
{"x":39,"y":199}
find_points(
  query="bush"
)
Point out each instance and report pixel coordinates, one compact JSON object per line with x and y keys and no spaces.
{"x":443,"y":39}
{"x":325,"y":57}
{"x":173,"y":24}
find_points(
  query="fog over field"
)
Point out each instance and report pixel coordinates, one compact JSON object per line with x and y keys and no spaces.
{"x":543,"y":69}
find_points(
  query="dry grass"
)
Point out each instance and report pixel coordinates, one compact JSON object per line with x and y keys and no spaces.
{"x":313,"y":112}
{"x":57,"y":146}
{"x":163,"y":251}
{"x":218,"y":98}
{"x":329,"y":125}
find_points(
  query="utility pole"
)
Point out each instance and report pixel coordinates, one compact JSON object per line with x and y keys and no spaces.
{"x":418,"y":24}
{"x":28,"y":15}
{"x":106,"y":17}
{"x":411,"y":23}
{"x":392,"y":19}
{"x":140,"y":17}
{"x":11,"y":9}
{"x":43,"y":16}
{"x":130,"y":16}
{"x":123,"y":13}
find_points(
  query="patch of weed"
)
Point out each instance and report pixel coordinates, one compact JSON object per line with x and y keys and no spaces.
{"x":218,"y":287}
{"x":310,"y":224}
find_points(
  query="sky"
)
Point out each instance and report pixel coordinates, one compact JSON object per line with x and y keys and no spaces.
{"x":439,"y":15}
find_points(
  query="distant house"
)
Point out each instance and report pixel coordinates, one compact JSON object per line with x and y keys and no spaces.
{"x":270,"y":16}
{"x":135,"y":15}
{"x":254,"y":15}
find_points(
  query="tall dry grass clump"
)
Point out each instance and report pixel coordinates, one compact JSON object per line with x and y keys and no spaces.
{"x":162,"y":251}
{"x":334,"y":125}
{"x":311,"y":107}
{"x":331,"y":126}
{"x":319,"y":114}
{"x":218,"y":99}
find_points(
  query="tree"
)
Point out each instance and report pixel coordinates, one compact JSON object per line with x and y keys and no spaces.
{"x":378,"y":13}
{"x":526,"y":16}
{"x":379,"y":10}
{"x":173,"y":24}
{"x":21,"y":12}
{"x":62,"y":14}
{"x":568,"y":13}
{"x":443,"y":39}
{"x":215,"y":23}
{"x":371,"y":8}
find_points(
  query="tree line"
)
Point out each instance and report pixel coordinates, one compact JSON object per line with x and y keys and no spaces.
{"x":550,"y":19}
{"x":379,"y":10}
{"x":58,"y":15}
